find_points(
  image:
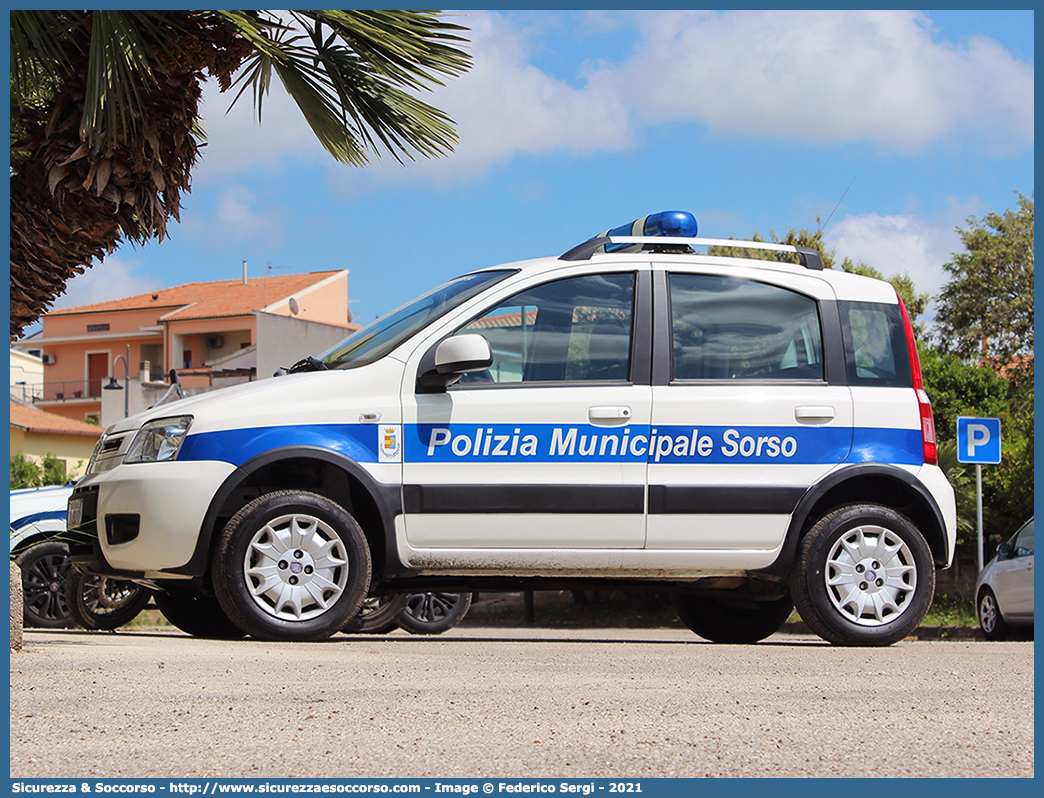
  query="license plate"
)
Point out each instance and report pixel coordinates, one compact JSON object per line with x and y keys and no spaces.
{"x":74,"y":513}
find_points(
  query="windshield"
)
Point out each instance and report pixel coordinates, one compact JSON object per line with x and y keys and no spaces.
{"x":374,"y":341}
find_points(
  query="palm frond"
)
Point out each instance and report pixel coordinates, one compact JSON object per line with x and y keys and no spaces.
{"x":42,"y":44}
{"x":119,"y":67}
{"x":348,"y":72}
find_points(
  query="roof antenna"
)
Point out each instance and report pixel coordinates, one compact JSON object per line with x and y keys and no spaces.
{"x":831,"y":216}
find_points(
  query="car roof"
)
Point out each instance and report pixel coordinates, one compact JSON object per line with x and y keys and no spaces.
{"x":845,"y":285}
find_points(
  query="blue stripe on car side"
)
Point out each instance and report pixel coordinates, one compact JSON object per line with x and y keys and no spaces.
{"x":357,"y":442}
{"x":536,"y":443}
{"x":47,"y":515}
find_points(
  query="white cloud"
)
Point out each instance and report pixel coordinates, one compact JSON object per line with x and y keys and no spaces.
{"x":114,"y":277}
{"x":826,"y":77}
{"x":812,"y":77}
{"x":236,"y":142}
{"x":901,"y":244}
{"x":239,"y":218}
{"x":504,"y":106}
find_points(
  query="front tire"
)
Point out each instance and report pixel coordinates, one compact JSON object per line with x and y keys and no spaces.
{"x":864,"y":576}
{"x":991,"y":621}
{"x":291,"y":565}
{"x":45,"y":569}
{"x":723,"y":620}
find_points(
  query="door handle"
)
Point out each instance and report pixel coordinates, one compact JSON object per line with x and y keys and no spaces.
{"x":814,"y":414}
{"x":609,"y":413}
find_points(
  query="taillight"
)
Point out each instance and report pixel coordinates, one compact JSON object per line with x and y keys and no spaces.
{"x":924,"y":404}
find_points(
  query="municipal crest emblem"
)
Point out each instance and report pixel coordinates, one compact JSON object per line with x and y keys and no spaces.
{"x":390,"y":444}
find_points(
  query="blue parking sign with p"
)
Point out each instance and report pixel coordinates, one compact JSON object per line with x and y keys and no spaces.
{"x":979,"y":440}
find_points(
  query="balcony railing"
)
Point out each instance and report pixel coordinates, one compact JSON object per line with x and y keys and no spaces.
{"x":66,"y":391}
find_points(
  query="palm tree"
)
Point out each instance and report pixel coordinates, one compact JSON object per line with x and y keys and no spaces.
{"x":105,"y":114}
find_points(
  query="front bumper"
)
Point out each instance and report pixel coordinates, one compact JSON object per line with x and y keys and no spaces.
{"x":143,"y":519}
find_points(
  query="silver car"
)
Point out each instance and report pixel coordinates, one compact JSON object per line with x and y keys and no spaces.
{"x":1004,"y":592}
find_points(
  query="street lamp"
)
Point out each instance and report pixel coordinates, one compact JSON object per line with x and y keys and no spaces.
{"x":115,"y":386}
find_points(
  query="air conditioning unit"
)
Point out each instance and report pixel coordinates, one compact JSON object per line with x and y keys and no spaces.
{"x":49,"y":359}
{"x":215,"y":341}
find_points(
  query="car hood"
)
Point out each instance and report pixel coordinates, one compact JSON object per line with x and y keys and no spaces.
{"x":293,"y":398}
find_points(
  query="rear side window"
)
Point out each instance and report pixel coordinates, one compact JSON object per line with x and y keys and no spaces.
{"x":875,"y":345}
{"x":723,"y":329}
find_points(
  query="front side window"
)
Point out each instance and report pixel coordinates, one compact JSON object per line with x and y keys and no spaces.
{"x":571,"y":330}
{"x":724,"y":329}
{"x":1023,"y":544}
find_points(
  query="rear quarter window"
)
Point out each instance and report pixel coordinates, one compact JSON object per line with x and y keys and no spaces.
{"x":875,"y":345}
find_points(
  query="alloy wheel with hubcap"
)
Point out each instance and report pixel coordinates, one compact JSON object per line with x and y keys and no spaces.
{"x":864,"y":576}
{"x":291,"y":565}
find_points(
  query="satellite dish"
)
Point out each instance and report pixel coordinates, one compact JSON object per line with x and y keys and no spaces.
{"x":350,"y":316}
{"x":293,"y":306}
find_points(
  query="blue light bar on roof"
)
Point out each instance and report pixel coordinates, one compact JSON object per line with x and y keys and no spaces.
{"x":675,"y":224}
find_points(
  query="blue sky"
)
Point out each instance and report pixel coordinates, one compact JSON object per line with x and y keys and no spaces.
{"x":572,"y":122}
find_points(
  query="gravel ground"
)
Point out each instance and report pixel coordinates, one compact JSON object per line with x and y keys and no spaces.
{"x":509,"y":702}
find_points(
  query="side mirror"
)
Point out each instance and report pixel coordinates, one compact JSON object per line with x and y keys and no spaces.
{"x":450,"y":359}
{"x":1004,"y":551}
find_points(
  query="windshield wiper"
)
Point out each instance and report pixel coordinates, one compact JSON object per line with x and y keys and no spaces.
{"x":306,"y":364}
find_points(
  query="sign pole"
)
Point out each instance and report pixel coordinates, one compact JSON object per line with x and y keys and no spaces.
{"x":978,"y":510}
{"x":978,"y":442}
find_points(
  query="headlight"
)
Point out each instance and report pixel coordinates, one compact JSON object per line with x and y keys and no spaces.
{"x":94,"y":454}
{"x":158,"y":440}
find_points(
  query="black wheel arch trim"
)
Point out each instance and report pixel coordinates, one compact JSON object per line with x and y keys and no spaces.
{"x":800,"y":516}
{"x":387,"y":498}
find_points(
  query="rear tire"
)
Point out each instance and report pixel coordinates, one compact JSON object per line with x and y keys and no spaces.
{"x":991,"y":621}
{"x":723,"y":620}
{"x":102,"y":603}
{"x":433,"y":613}
{"x":864,"y":576}
{"x":196,"y":615}
{"x":291,"y":565}
{"x":378,"y":615}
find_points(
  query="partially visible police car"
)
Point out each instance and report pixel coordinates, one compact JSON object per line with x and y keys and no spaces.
{"x":38,"y":547}
{"x":748,"y":434}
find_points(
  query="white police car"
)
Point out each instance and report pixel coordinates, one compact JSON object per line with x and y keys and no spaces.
{"x":745,"y":433}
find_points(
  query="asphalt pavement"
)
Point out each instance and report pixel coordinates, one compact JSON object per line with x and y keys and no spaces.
{"x":514,"y":702}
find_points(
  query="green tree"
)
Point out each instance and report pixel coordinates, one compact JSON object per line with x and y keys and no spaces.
{"x":27,"y":473}
{"x":105,"y":118}
{"x":958,"y":388}
{"x":985,"y":311}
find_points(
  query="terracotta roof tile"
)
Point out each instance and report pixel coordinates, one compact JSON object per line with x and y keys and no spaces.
{"x":211,"y":299}
{"x":36,"y":420}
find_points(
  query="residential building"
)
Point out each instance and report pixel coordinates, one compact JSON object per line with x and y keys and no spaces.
{"x":26,"y":375}
{"x":36,"y":433}
{"x":137,"y":340}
